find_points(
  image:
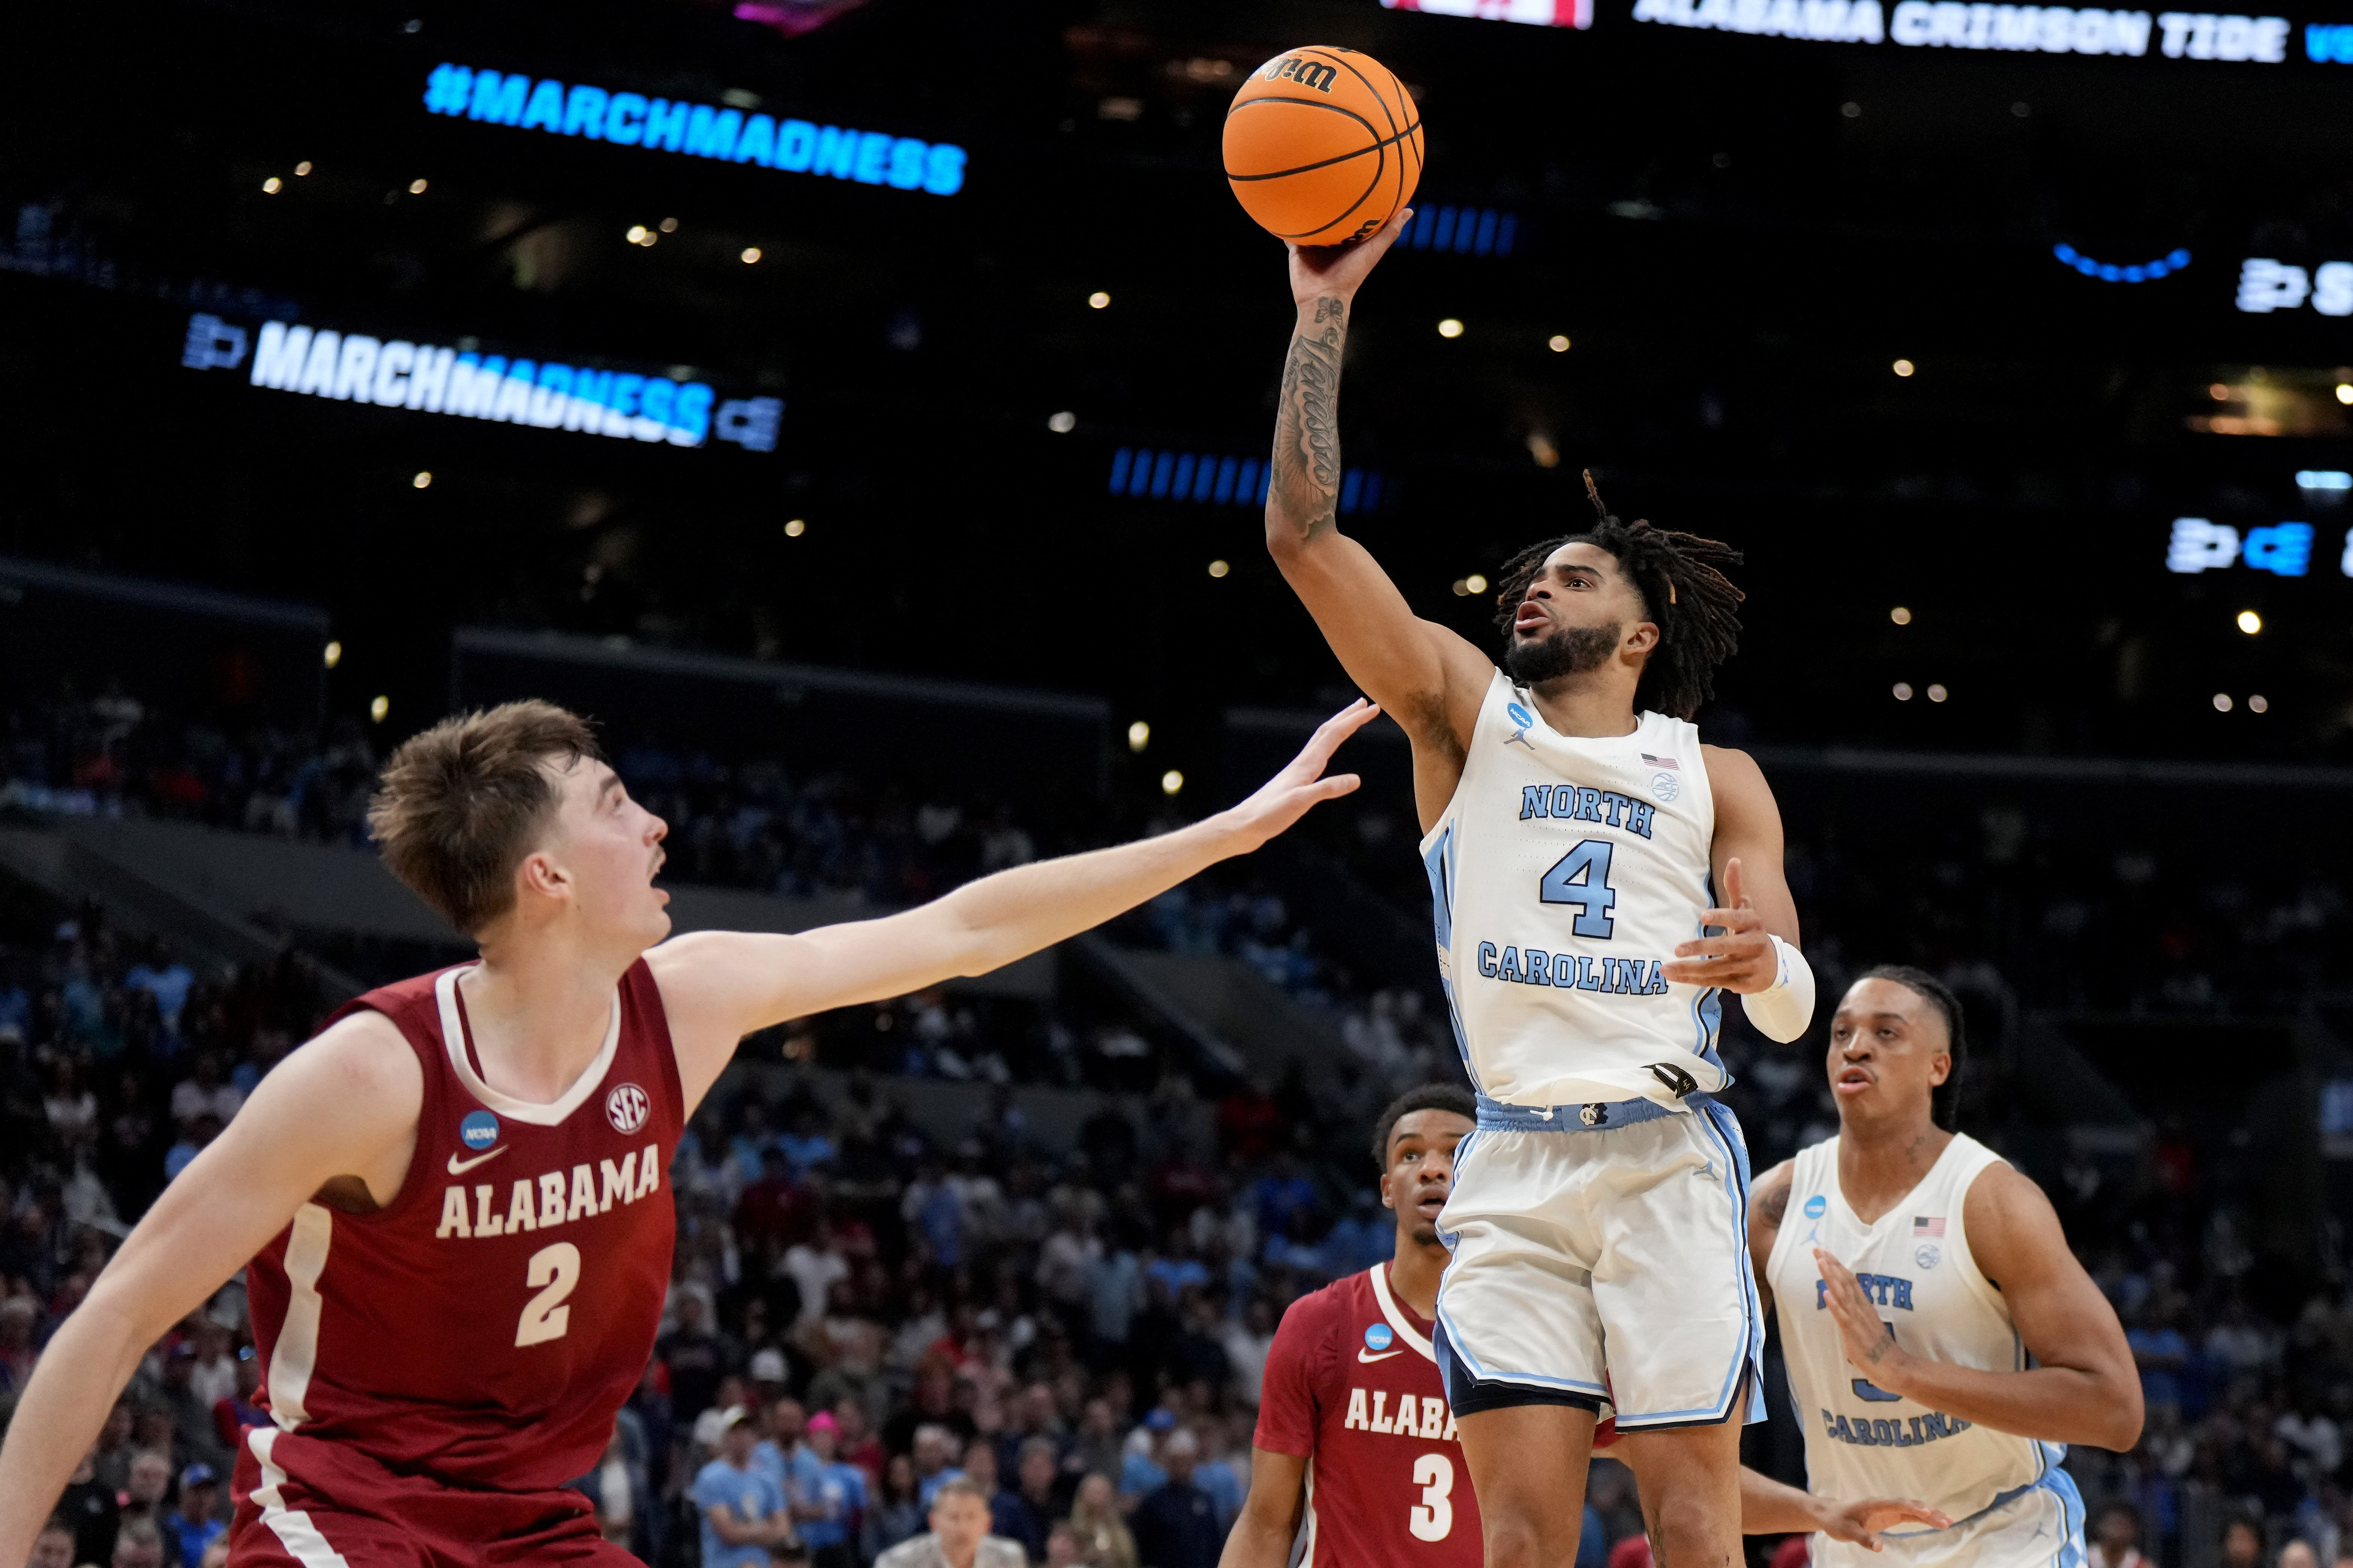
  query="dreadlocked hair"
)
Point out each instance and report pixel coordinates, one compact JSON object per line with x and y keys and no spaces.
{"x":1684,"y":593}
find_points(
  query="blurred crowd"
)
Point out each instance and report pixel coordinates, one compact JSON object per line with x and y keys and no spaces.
{"x":869,"y":1313}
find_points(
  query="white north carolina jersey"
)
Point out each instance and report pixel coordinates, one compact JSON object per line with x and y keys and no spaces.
{"x":2010,"y":1501}
{"x":1564,"y":870}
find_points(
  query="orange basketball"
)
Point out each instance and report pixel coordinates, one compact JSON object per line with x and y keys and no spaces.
{"x":1321,"y":145}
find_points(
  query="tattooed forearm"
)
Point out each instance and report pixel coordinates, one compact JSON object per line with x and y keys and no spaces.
{"x":1307,"y":430}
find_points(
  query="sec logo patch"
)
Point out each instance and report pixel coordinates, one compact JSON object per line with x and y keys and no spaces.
{"x":627,"y":1108}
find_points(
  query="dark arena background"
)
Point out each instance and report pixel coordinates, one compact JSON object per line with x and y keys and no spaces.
{"x":2015,"y":349}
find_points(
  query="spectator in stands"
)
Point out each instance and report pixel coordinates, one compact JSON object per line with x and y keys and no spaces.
{"x":139,"y":1544}
{"x":934,"y":1449}
{"x":898,"y":1511}
{"x":816,"y":1266}
{"x":2116,"y":1538}
{"x":696,"y":1355}
{"x":1025,"y":1512}
{"x":1062,"y":1547}
{"x":2243,"y":1544}
{"x":195,"y":1523}
{"x":1175,"y":1524}
{"x":958,"y":1537}
{"x":834,"y":1504}
{"x":1105,"y":1541}
{"x":151,"y":1483}
{"x":618,"y":1491}
{"x":18,"y":1354}
{"x":743,"y":1511}
{"x":203,"y":1091}
{"x":89,"y":1506}
{"x":53,"y":1547}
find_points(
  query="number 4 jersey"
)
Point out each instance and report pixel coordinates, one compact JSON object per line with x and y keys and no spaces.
{"x":484,"y":1326}
{"x":1352,"y":1387}
{"x":1564,"y":870}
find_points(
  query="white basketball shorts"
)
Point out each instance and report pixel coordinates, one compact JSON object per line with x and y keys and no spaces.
{"x":1600,"y":1258}
{"x":2037,"y":1526}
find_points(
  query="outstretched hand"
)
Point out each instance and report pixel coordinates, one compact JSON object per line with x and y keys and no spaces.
{"x":1741,"y":957}
{"x":1861,"y":1523}
{"x":1337,"y":272}
{"x":1286,"y":797}
{"x":1868,"y":1341}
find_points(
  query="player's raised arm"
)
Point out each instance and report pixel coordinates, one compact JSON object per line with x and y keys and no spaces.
{"x":2083,"y":1386}
{"x":341,"y":1110}
{"x":718,"y":986}
{"x":1429,"y":679}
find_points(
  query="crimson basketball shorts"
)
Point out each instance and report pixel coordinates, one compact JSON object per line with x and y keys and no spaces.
{"x":1601,"y":1259}
{"x":308,"y":1503}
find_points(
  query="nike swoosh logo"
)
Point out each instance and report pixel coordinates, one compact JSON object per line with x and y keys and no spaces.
{"x":460,"y":1167}
{"x":1368,"y":1357}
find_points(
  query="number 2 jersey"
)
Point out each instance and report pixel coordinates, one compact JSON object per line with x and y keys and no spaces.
{"x":1563,"y":871}
{"x":482,"y":1328}
{"x":1352,"y":1387}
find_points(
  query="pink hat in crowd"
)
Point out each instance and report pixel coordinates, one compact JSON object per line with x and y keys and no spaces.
{"x":823,"y":1421}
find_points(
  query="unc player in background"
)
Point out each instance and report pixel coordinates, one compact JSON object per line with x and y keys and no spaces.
{"x":453,"y":1199}
{"x":1578,"y":838}
{"x":1354,"y":1442}
{"x":1941,"y":1337}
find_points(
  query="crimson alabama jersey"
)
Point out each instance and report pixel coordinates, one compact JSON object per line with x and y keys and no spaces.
{"x":484,"y":1327}
{"x":1352,"y":1387}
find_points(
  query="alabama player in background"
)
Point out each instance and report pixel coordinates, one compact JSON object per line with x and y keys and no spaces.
{"x":1355,"y":1441}
{"x":453,"y":1199}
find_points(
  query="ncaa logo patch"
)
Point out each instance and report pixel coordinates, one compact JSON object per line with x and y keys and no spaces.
{"x":627,"y":1108}
{"x":480,"y":1130}
{"x":1666,"y":787}
{"x":1379,"y":1338}
{"x":1816,"y":1206}
{"x":1525,"y":720}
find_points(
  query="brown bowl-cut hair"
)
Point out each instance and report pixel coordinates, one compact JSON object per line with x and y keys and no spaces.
{"x":458,"y":806}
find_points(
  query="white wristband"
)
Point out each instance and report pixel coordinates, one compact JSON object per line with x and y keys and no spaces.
{"x":1782,"y":1011}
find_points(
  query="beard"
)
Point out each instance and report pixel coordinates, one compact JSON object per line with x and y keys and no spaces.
{"x":1572,"y":651}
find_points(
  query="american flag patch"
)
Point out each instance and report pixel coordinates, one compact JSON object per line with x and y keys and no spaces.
{"x":1924,"y":1226}
{"x":1662,"y":761}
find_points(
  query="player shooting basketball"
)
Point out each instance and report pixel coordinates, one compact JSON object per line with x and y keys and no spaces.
{"x":1578,"y":838}
{"x":453,"y":1197}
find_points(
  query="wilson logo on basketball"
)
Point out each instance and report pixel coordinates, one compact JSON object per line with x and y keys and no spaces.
{"x":627,"y":1108}
{"x":1306,"y":73}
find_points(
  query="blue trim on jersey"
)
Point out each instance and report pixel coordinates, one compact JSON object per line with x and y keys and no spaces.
{"x":1497,"y":1117}
{"x":1438,"y":862}
{"x":1725,"y":1127}
{"x":2071,"y":1551}
{"x":1452,"y":1352}
{"x":1707,"y":1007}
{"x":1446,"y":1238}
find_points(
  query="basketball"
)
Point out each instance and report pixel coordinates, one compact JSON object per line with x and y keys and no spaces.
{"x":1321,"y":145}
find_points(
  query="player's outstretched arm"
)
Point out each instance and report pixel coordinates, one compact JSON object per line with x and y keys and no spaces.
{"x":718,"y":986}
{"x":344,"y":1105}
{"x":2084,"y":1388}
{"x":1429,"y":679}
{"x":1769,"y":1508}
{"x":1269,"y":1521}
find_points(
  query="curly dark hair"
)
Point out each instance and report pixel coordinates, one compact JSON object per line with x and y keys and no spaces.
{"x":1684,"y":593}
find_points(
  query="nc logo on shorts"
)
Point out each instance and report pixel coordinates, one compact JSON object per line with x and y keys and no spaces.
{"x":478,"y":1130}
{"x":1666,"y":787}
{"x":1377,"y":1337}
{"x":627,"y":1108}
{"x":1816,"y":1206}
{"x":1927,"y":1257}
{"x":1593,"y":1115}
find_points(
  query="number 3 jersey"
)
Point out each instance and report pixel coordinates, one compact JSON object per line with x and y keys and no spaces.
{"x":1352,"y":1387}
{"x":1564,"y":870}
{"x":484,"y":1326}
